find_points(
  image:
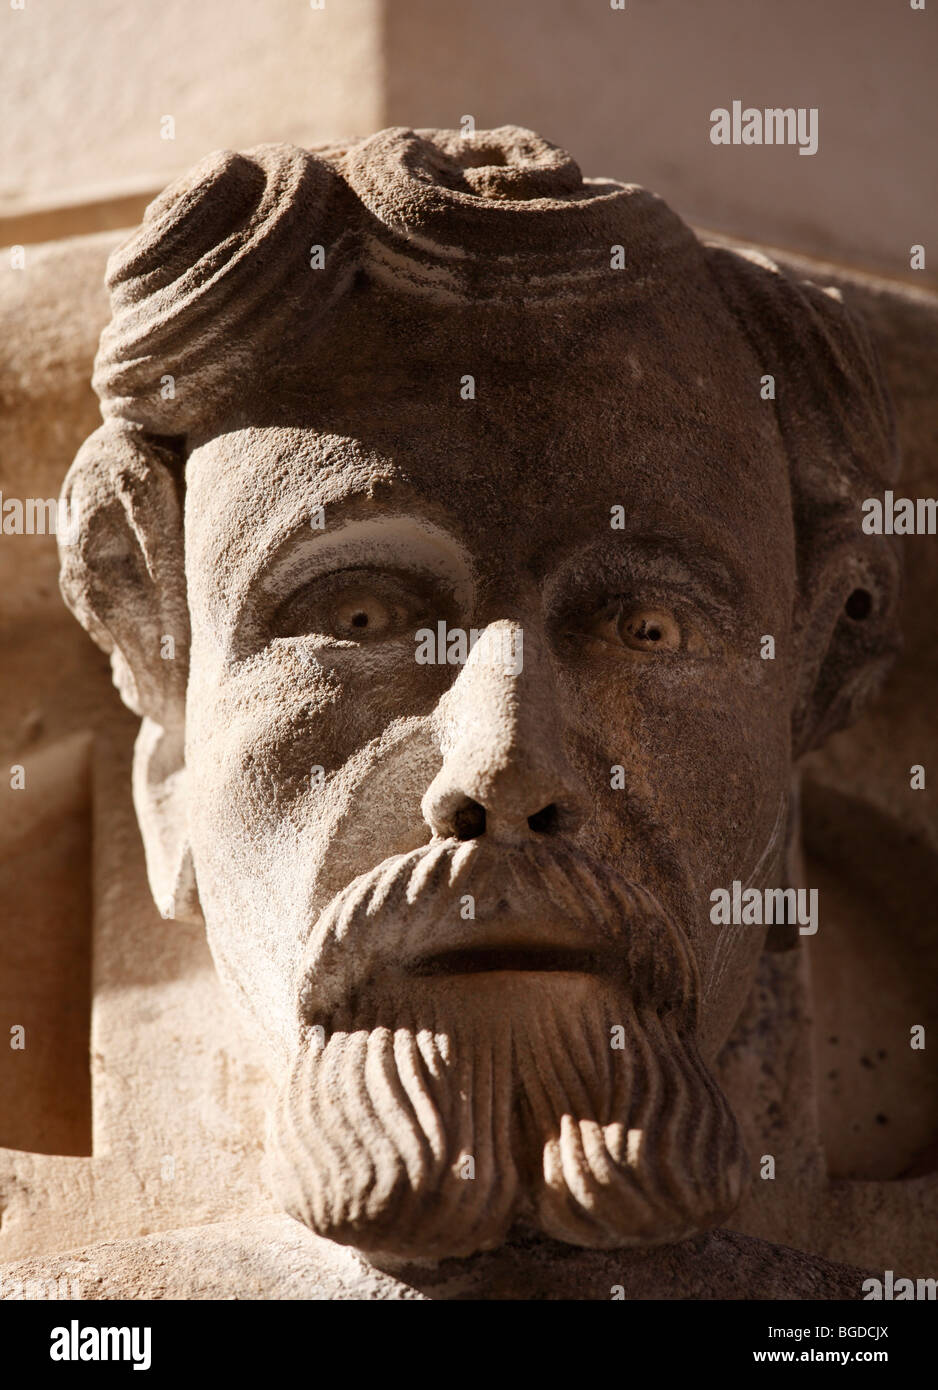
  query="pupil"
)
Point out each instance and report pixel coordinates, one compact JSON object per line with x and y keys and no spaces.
{"x":359,"y":619}
{"x":644,"y":633}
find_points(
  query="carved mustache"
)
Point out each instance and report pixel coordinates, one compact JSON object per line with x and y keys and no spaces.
{"x":463,"y":908}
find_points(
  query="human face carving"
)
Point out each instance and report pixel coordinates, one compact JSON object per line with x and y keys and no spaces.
{"x":346,"y":799}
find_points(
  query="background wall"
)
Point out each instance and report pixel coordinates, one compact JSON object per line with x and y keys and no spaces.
{"x":86,"y":84}
{"x":629,"y":92}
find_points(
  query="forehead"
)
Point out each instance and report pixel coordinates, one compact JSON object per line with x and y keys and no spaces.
{"x":517,"y":435}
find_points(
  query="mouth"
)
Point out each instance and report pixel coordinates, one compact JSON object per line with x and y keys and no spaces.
{"x":516,"y":959}
{"x":542,"y":917}
{"x":526,"y":953}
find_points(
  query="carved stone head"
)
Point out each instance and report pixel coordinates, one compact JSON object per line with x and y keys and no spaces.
{"x":443,"y":506}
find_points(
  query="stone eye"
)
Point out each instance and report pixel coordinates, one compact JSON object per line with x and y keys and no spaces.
{"x":362,"y":616}
{"x":350,"y":609}
{"x":649,"y":630}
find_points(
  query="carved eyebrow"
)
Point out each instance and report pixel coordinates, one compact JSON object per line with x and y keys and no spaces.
{"x":399,"y":538}
{"x":667,"y":559}
{"x":343,"y":486}
{"x":712,"y":565}
{"x":394,"y":540}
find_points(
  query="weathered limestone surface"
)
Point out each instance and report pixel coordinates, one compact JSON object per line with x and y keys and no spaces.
{"x":173,"y":1109}
{"x":272,"y":1257}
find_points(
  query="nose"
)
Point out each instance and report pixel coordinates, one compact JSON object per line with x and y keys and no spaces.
{"x":504,"y":769}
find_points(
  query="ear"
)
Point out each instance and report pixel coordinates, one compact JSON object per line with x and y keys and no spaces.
{"x":837,"y":425}
{"x":159,"y":787}
{"x":848,"y":638}
{"x":123,"y":576}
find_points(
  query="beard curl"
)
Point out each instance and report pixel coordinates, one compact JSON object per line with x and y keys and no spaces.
{"x":426,"y":1115}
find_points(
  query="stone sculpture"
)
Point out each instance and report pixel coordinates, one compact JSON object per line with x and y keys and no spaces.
{"x":443,"y":505}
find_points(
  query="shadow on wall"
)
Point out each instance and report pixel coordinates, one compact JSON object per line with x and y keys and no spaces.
{"x":45,"y":951}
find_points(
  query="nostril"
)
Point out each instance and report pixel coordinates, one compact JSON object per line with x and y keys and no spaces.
{"x":469,"y":821}
{"x":545,"y":821}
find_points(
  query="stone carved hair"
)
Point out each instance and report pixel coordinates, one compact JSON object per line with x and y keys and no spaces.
{"x":221,"y":266}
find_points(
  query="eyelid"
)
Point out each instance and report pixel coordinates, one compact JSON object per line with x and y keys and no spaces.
{"x":704,"y":608}
{"x":691,"y":623}
{"x":380,"y":579}
{"x":402,"y":581}
{"x":381,"y":543}
{"x":412,"y":545}
{"x":651,"y":566}
{"x":374,"y":573}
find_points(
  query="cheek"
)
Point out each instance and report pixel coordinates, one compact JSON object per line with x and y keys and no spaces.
{"x":722,"y":770}
{"x":272,"y":840}
{"x":705,"y":764}
{"x":725,"y":990}
{"x":271,"y":738}
{"x":704,"y":751}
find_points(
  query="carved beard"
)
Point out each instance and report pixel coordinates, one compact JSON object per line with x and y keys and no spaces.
{"x":428,"y":1112}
